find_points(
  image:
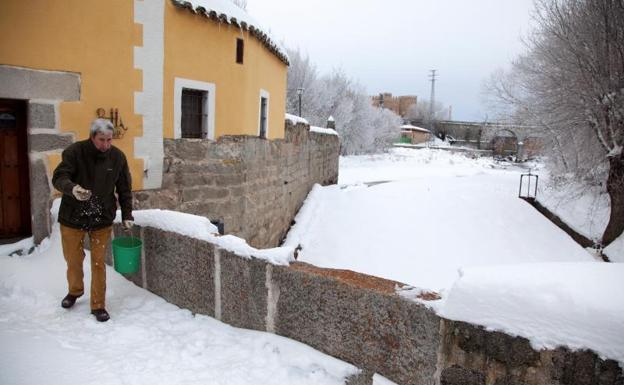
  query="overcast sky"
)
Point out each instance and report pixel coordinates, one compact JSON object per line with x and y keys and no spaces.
{"x":391,"y":45}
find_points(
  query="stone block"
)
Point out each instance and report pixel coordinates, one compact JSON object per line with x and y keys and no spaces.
{"x":190,"y":149}
{"x":40,"y":202}
{"x":243,"y":291}
{"x":584,"y":368}
{"x":204,"y":193}
{"x":229,"y":180}
{"x":456,"y":375}
{"x":162,"y":199}
{"x":194,"y":179}
{"x":507,"y":360}
{"x":378,"y":330}
{"x":41,"y":116}
{"x":225,"y":166}
{"x":180,"y":269}
{"x":49,"y":142}
{"x":24,"y":83}
{"x":512,"y":351}
{"x":509,"y":380}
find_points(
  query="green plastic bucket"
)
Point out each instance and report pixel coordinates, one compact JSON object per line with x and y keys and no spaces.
{"x":127,"y":254}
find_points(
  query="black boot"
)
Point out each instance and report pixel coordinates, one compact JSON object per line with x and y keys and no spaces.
{"x":69,"y":301}
{"x":100,"y":315}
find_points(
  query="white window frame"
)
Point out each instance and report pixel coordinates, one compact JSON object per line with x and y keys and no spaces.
{"x":264,"y":94}
{"x":208,"y":124}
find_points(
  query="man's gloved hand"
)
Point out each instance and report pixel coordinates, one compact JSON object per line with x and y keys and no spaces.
{"x":81,"y":193}
{"x":127,"y":224}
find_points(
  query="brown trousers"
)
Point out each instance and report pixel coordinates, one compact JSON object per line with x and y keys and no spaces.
{"x":73,"y":250}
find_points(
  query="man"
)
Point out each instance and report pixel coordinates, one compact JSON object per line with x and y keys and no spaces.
{"x":90,"y":173}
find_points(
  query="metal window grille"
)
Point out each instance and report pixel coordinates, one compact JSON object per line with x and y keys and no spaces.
{"x":192,"y":113}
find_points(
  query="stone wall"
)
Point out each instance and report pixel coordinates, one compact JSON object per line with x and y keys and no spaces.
{"x":253,"y":186}
{"x":44,"y":137}
{"x":357,"y":318}
{"x":351,"y":316}
{"x":471,"y":355}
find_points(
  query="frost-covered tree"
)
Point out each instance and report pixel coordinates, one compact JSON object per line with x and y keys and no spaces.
{"x":240,"y":3}
{"x":362,"y":127}
{"x":421,"y":111}
{"x":570,"y":86}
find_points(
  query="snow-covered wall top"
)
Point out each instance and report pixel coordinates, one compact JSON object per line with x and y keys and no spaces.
{"x":294,"y":119}
{"x":413,"y":128}
{"x":322,"y":130}
{"x":574,"y":304}
{"x":227,"y":12}
{"x":199,"y":227}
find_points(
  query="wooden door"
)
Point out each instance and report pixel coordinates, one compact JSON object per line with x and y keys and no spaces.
{"x":14,"y":174}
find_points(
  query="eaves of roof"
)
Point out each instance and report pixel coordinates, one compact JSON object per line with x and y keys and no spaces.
{"x":221,"y":17}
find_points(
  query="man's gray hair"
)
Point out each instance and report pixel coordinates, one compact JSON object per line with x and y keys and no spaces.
{"x":101,"y":125}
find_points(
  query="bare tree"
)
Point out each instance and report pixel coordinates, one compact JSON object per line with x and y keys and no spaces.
{"x":570,"y":84}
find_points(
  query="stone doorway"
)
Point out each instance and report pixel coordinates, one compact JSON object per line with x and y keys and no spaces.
{"x":14,"y":171}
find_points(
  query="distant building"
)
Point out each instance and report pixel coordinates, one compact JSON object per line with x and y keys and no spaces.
{"x":501,"y":138}
{"x":414,"y":135}
{"x":399,"y":104}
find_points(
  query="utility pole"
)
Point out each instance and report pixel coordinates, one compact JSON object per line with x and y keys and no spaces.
{"x":300,"y":93}
{"x":432,"y":77}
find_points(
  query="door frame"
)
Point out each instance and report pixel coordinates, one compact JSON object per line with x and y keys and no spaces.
{"x":21,"y":108}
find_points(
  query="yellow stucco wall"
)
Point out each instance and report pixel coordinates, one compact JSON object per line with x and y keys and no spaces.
{"x":96,"y":39}
{"x":200,"y":49}
{"x":90,"y":37}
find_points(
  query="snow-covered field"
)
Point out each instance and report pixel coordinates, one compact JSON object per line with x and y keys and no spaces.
{"x":446,"y":222}
{"x":439,"y":221}
{"x":435,"y":213}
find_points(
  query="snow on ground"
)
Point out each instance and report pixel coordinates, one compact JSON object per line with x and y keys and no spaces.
{"x":381,"y":380}
{"x":21,"y":247}
{"x":441,"y":212}
{"x":585,"y":209}
{"x":147,"y":340}
{"x":404,"y":163}
{"x":447,"y":222}
{"x":438,"y":214}
{"x":615,"y":251}
{"x":580,"y":305}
